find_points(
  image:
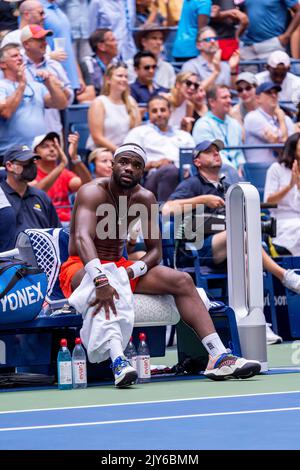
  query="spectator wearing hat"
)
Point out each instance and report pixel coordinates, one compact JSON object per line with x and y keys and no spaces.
{"x":278,"y":71}
{"x":33,"y":38}
{"x":93,"y":67}
{"x":245,"y":86}
{"x":100,"y":162}
{"x":32,"y":207}
{"x":151,"y":38}
{"x":194,"y":16}
{"x":268,"y":124}
{"x":208,"y":65}
{"x":23,"y":103}
{"x":270,"y":27}
{"x":52,"y":174}
{"x":119,"y":17}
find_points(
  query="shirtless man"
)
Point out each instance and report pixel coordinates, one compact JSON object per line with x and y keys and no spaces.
{"x":146,"y":276}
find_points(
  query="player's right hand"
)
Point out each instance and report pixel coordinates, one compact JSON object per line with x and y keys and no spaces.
{"x":105,"y":299}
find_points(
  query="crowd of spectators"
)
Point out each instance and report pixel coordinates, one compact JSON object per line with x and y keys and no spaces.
{"x":114,"y":57}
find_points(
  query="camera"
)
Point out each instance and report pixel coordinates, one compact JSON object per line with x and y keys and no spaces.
{"x":268,"y":227}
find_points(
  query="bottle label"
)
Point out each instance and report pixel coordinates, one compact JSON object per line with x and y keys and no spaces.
{"x":133,"y":362}
{"x":65,"y":373}
{"x":79,"y":369}
{"x":144,"y":370}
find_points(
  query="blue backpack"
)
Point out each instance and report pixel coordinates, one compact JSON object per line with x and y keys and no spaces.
{"x":22,"y":291}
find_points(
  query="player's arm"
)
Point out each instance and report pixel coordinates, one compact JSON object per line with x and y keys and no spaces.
{"x":152,"y":238}
{"x":85,"y":222}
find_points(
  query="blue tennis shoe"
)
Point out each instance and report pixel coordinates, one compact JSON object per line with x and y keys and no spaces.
{"x":125,"y":374}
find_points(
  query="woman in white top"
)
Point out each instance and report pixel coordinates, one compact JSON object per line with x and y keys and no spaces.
{"x":113,"y":113}
{"x":282,"y":187}
{"x":180,"y":96}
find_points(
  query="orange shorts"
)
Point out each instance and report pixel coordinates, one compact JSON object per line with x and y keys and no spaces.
{"x":73,"y":264}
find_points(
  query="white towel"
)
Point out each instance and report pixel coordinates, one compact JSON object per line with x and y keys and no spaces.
{"x":96,"y":331}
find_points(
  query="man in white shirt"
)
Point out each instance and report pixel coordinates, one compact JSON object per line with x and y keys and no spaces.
{"x":278,"y":71}
{"x":162,"y":144}
{"x":268,"y":124}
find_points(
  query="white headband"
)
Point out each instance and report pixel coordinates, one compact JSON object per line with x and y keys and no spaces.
{"x":131,"y":148}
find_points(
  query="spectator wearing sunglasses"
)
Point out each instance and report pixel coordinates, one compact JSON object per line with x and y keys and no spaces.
{"x":278,"y":71}
{"x":245,"y":86}
{"x":144,"y":86}
{"x":151,"y":38}
{"x":268,"y":124}
{"x":208,"y":65}
{"x":180,"y":98}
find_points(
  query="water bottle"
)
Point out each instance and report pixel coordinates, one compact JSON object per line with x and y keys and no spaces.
{"x":79,"y":365}
{"x":131,"y":354}
{"x":143,"y":360}
{"x":64,"y":366}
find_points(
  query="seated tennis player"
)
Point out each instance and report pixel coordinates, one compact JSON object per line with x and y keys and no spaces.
{"x":89,"y":250}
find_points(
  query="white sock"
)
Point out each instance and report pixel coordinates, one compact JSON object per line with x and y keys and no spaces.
{"x":116,"y":349}
{"x":213,"y":345}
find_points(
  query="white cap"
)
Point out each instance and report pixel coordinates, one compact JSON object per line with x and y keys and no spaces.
{"x":135,"y":148}
{"x":247,"y":77}
{"x":279,"y":57}
{"x":40,"y":138}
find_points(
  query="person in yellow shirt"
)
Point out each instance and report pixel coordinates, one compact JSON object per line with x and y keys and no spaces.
{"x":171,"y":10}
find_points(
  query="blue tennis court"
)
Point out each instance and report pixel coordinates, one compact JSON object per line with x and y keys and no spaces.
{"x":256,"y":421}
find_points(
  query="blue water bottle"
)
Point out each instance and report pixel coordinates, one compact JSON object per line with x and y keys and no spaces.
{"x":64,"y":366}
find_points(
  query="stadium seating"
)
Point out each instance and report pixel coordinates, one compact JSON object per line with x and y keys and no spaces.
{"x":255,"y":173}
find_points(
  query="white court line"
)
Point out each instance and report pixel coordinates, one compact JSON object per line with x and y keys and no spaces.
{"x":173,"y":400}
{"x":141,"y":420}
